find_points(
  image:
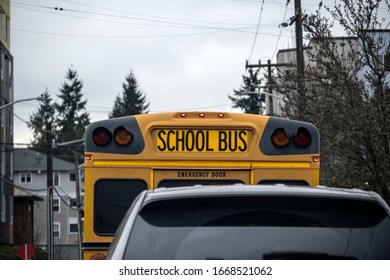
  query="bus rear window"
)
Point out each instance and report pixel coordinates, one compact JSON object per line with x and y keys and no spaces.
{"x":112,"y":198}
{"x":263,"y":211}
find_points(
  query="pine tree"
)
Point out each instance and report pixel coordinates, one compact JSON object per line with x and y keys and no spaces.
{"x":252,"y":103}
{"x":72,"y":117}
{"x":40,"y":119}
{"x":132,"y":101}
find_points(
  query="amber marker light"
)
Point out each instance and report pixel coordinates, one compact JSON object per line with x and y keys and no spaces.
{"x":280,"y":138}
{"x":122,"y":136}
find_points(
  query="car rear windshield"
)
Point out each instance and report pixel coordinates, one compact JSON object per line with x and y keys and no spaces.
{"x":259,"y":227}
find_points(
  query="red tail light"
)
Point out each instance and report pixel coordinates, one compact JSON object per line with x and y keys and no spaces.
{"x":301,"y":138}
{"x":101,"y":136}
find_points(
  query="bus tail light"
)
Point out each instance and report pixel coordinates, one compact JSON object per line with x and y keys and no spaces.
{"x":280,"y":138}
{"x":101,"y":136}
{"x":122,"y":136}
{"x":98,"y":256}
{"x":301,"y":137}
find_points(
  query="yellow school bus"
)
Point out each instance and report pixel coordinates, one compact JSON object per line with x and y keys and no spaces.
{"x":125,"y":156}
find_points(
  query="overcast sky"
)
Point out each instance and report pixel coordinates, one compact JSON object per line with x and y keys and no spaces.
{"x":185,"y":54}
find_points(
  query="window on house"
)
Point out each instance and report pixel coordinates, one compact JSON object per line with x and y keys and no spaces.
{"x":72,"y":177}
{"x":56,"y":230}
{"x":25,"y":178}
{"x":8,"y":29}
{"x":73,"y":202}
{"x":3,"y":208}
{"x":11,"y":207}
{"x":56,"y":179}
{"x":73,"y":226}
{"x":2,"y":15}
{"x":384,"y":62}
{"x":56,"y":205}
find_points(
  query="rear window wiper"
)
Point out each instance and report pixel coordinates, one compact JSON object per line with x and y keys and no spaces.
{"x":304,"y":256}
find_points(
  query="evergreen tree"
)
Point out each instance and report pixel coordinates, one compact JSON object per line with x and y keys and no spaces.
{"x":252,"y":103}
{"x":132,"y":101}
{"x":71,"y":118}
{"x":40,"y":119}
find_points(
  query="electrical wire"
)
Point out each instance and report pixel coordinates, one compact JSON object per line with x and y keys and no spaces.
{"x":65,"y":202}
{"x":169,"y":22}
{"x":145,"y":15}
{"x":257,"y":31}
{"x":281,"y":29}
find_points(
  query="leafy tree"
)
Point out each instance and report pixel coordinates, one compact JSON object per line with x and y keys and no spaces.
{"x":346,"y":96}
{"x":252,"y":103}
{"x":71,"y":118}
{"x":40,"y":119}
{"x":132,"y":101}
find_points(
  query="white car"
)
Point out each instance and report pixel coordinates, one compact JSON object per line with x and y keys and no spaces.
{"x":254,"y":222}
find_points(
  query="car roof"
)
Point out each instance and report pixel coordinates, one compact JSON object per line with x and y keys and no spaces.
{"x":271,"y":190}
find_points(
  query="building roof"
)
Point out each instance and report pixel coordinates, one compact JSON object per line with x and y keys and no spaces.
{"x":22,"y":193}
{"x":30,"y":160}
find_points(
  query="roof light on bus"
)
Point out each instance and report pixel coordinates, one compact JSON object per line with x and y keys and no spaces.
{"x":122,"y":136}
{"x":221,"y":115}
{"x":202,"y":115}
{"x":101,"y":136}
{"x":280,"y":138}
{"x":301,"y":137}
{"x":183,"y":115}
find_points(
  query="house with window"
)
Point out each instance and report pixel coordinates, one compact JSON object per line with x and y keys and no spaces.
{"x":30,"y":174}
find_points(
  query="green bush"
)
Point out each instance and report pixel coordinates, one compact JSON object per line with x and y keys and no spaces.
{"x":8,"y":252}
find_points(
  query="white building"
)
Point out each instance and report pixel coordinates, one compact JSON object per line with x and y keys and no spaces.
{"x":344,"y":46}
{"x":30,"y":172}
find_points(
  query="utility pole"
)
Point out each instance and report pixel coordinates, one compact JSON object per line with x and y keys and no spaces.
{"x":269,"y":66}
{"x":50,"y":185}
{"x":78,"y":204}
{"x":270,"y":82}
{"x":299,"y":46}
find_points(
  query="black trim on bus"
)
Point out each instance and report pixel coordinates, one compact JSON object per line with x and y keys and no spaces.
{"x":284,"y":182}
{"x":130,"y":123}
{"x":173,"y":183}
{"x":95,"y":246}
{"x":290,"y":126}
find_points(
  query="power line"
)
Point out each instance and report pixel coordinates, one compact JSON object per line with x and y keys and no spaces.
{"x":113,"y":36}
{"x":257,"y":30}
{"x":281,"y":29}
{"x":145,"y":15}
{"x":170,"y":22}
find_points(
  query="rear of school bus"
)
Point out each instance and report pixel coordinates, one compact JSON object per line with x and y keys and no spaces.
{"x":125,"y":156}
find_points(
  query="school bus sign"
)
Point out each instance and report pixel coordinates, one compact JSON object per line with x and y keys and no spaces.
{"x":202,"y":140}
